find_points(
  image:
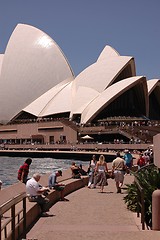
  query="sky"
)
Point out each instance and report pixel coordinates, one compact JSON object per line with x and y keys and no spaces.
{"x":82,"y":28}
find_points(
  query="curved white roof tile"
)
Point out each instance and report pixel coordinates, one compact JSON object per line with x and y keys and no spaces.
{"x":109,"y":95}
{"x":45,"y":104}
{"x":97,"y":77}
{"x":33,"y":63}
{"x":61,"y":102}
{"x":84,"y":96}
{"x":107,"y":52}
{"x":152,"y":84}
{"x":101,"y":74}
{"x":1,"y":61}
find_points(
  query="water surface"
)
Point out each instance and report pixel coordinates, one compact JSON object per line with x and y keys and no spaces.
{"x":9,"y":167}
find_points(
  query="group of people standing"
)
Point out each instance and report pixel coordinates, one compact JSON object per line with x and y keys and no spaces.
{"x":121,"y":165}
{"x":98,"y":170}
{"x":98,"y":173}
{"x":145,"y":158}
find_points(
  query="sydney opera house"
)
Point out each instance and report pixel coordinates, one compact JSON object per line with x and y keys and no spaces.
{"x":41,"y":100}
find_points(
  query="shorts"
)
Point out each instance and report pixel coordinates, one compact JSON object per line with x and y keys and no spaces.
{"x":119,"y":176}
{"x":129,"y":165}
{"x":76,"y":176}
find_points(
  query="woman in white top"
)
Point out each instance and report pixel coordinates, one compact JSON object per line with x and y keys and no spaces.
{"x":100,"y":170}
{"x":91,"y":167}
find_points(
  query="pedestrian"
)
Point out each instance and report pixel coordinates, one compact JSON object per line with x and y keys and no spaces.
{"x":141,"y":161}
{"x":128,"y":158}
{"x":0,"y":184}
{"x":100,"y":173}
{"x":82,"y":171}
{"x":0,"y":190}
{"x":146,"y":157}
{"x":37,"y":193}
{"x":24,"y":171}
{"x":91,"y":170}
{"x":53,"y":184}
{"x":75,"y":170}
{"x":118,"y":166}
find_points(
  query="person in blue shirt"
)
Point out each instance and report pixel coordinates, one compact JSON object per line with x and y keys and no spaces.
{"x":53,"y":184}
{"x":128,"y":158}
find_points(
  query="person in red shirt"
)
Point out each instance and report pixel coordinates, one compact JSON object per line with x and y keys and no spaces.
{"x":24,"y":170}
{"x":141,"y":161}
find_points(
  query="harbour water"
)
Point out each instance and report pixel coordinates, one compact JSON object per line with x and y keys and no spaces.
{"x":9,"y":167}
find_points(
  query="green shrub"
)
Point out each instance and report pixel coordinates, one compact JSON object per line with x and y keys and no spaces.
{"x":149,"y":179}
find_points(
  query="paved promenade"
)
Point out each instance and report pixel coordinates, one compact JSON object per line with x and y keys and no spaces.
{"x":90,"y":215}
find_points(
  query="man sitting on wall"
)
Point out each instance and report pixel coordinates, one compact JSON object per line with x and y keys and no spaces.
{"x":75,"y":170}
{"x":52,"y":183}
{"x":37,"y":193}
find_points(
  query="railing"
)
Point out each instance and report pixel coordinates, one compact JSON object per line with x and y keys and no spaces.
{"x":13,"y":217}
{"x":140,"y":207}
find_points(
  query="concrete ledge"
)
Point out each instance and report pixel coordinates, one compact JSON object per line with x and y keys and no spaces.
{"x":17,"y":188}
{"x":32,"y":208}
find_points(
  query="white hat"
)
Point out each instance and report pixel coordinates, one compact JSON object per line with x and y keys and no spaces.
{"x":126,"y":150}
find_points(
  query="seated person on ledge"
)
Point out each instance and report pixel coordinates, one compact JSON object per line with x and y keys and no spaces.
{"x":0,"y":184}
{"x":37,"y":193}
{"x":52,"y":183}
{"x":75,"y":171}
{"x":82,"y":171}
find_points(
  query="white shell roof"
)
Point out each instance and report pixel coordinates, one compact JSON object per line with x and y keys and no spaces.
{"x":108,"y":70}
{"x":1,"y":61}
{"x":73,"y":99}
{"x":56,"y":100}
{"x":108,"y":52}
{"x":97,"y":77}
{"x":109,"y":95}
{"x":84,"y":96}
{"x":35,"y":77}
{"x":152,"y":84}
{"x":32,"y":64}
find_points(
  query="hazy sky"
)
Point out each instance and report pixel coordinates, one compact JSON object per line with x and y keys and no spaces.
{"x":82,"y":28}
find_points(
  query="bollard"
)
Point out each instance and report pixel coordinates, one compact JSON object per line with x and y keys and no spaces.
{"x":156,"y":210}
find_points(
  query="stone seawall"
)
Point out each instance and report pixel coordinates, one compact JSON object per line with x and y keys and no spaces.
{"x":32,"y":208}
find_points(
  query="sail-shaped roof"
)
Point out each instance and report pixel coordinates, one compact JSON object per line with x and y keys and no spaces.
{"x":36,"y":79}
{"x":112,"y":93}
{"x":154,"y":98}
{"x":32,"y":64}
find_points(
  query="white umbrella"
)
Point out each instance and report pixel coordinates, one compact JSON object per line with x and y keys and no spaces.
{"x":87,"y":137}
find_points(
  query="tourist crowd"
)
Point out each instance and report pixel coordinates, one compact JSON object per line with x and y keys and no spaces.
{"x":97,"y":172}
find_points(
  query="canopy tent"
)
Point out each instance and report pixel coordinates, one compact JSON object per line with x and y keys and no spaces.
{"x":87,"y":137}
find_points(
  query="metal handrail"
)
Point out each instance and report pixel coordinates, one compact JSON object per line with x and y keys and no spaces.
{"x":9,"y":227}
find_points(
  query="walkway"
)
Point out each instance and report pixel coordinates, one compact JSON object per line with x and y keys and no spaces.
{"x":90,"y":215}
